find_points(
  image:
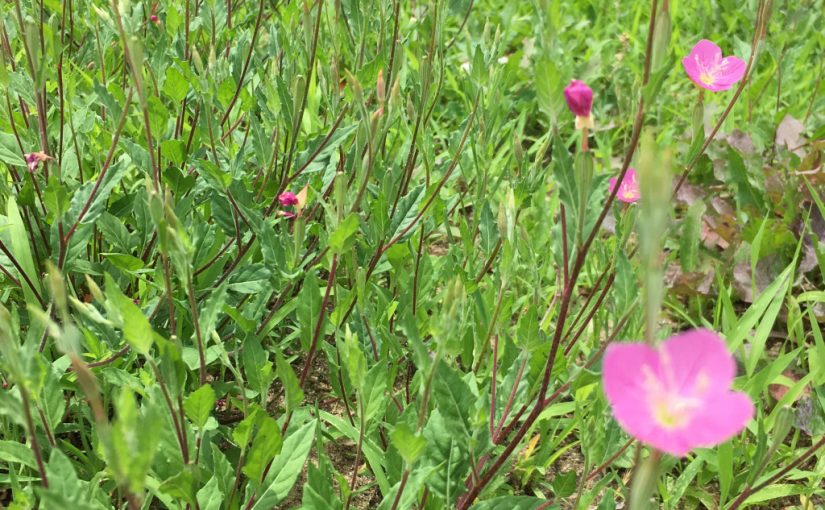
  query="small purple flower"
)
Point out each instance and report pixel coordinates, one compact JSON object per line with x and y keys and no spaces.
{"x":287,"y":198}
{"x":579,"y":98}
{"x":708,"y":69}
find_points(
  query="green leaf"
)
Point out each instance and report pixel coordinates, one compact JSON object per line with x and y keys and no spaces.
{"x":776,"y":491}
{"x":250,"y":279}
{"x":22,"y":252}
{"x":373,"y":454}
{"x":724,"y":457}
{"x":257,"y":367}
{"x":125,"y":262}
{"x":309,"y":305}
{"x":549,"y":88}
{"x":747,"y":195}
{"x":454,"y":399}
{"x":9,"y":153}
{"x":447,"y":450}
{"x":175,"y":85}
{"x":286,"y":467}
{"x":564,"y":484}
{"x":210,"y":497}
{"x":134,"y":439}
{"x":514,"y":503}
{"x":691,"y":236}
{"x":136,"y":328}
{"x":17,"y":453}
{"x":173,"y":150}
{"x":407,"y":442}
{"x":406,"y":212}
{"x":352,"y":357}
{"x":266,"y":444}
{"x":56,"y":198}
{"x":199,"y":405}
{"x":64,"y":485}
{"x":764,"y":312}
{"x":294,"y":395}
{"x":684,"y":480}
{"x":98,"y":203}
{"x":338,"y":241}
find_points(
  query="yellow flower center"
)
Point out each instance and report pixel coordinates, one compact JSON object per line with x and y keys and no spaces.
{"x":706,"y":78}
{"x":671,"y":409}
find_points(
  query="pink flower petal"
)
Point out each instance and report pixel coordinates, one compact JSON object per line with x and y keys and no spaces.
{"x":625,"y":388}
{"x":699,"y":354}
{"x":731,"y":70}
{"x":628,"y":189}
{"x":724,"y":415}
{"x":707,"y":52}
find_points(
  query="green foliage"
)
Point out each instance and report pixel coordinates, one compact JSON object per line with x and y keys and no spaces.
{"x":172,"y":336}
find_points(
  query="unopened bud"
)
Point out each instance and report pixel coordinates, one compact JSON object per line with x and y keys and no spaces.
{"x":661,"y":39}
{"x":379,"y":86}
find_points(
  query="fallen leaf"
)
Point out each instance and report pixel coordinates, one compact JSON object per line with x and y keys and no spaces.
{"x":689,"y":283}
{"x":778,"y":391}
{"x":742,"y":277}
{"x":741,"y":141}
{"x":789,"y":134}
{"x":689,"y":193}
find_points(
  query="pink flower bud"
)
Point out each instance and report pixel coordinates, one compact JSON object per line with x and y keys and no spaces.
{"x":154,"y":19}
{"x":287,"y":198}
{"x":579,"y":98}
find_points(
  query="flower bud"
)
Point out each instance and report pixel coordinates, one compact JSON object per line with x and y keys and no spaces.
{"x":287,"y":198}
{"x":579,"y":98}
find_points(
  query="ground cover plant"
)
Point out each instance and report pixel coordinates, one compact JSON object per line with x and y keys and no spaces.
{"x":412,"y":254}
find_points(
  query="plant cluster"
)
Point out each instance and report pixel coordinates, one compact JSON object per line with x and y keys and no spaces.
{"x":399,"y":254}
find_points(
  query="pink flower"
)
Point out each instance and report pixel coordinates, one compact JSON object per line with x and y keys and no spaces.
{"x":706,"y":67}
{"x":579,"y":98}
{"x":33,"y":160}
{"x":677,"y":396}
{"x":287,"y":198}
{"x":154,"y":19}
{"x":628,"y":189}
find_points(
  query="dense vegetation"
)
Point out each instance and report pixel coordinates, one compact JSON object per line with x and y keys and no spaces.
{"x":357,"y":253}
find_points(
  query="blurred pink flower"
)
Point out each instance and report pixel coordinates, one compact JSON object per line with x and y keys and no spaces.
{"x":33,"y":160}
{"x":154,"y":19}
{"x":677,"y":396}
{"x":579,"y":98}
{"x":708,"y":69}
{"x":628,"y":189}
{"x":287,"y":198}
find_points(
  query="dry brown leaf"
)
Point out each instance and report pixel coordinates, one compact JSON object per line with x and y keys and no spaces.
{"x":690,"y":283}
{"x":778,"y":391}
{"x":741,"y":141}
{"x":689,"y":193}
{"x":789,"y":135}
